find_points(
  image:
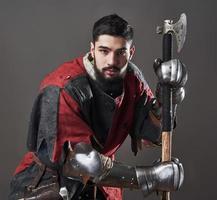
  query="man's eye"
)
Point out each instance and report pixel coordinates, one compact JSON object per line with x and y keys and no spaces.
{"x":121,"y":53}
{"x":105,"y":52}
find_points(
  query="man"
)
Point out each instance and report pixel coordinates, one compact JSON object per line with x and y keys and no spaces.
{"x":82,"y":115}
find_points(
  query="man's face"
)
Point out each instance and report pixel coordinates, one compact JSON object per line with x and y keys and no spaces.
{"x":111,"y":55}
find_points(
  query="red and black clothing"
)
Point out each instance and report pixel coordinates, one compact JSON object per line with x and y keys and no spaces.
{"x":71,"y":107}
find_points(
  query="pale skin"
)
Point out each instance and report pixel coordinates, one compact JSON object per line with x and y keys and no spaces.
{"x":112,"y":55}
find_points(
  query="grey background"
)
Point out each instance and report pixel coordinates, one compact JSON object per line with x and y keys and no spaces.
{"x":38,"y":35}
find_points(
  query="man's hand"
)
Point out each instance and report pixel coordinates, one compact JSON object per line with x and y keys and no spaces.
{"x":174,"y":74}
{"x":166,"y":176}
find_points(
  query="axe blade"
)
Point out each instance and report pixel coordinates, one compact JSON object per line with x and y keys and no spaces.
{"x":180,"y":30}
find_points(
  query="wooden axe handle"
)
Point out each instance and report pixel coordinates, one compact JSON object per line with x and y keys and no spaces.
{"x":166,"y":155}
{"x":166,"y":146}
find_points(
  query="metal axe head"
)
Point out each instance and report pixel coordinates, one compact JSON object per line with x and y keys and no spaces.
{"x":179,"y":29}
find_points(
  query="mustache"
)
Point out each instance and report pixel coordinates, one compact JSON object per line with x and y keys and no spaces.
{"x":115,"y":68}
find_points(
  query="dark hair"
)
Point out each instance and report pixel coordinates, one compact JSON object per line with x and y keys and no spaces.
{"x":112,"y":25}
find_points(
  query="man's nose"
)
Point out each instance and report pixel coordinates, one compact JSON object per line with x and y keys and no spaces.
{"x":112,"y":60}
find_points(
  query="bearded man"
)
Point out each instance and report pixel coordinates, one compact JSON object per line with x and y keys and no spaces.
{"x":84,"y":111}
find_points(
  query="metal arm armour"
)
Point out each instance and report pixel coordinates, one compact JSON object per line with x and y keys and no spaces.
{"x":84,"y":163}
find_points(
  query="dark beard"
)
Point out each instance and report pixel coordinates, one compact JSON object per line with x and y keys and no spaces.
{"x":112,"y":86}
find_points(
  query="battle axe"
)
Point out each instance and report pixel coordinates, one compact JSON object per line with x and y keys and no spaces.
{"x":169,"y":29}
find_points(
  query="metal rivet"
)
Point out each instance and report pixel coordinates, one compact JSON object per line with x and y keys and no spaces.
{"x":68,"y":77}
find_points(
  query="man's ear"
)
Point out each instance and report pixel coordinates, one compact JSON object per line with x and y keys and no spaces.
{"x":92,"y":47}
{"x":132,"y":51}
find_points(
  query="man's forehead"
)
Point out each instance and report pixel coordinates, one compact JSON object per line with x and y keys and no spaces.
{"x":112,"y":42}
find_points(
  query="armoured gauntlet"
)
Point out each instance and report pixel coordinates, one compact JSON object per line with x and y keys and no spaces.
{"x":174,"y":73}
{"x":84,"y":162}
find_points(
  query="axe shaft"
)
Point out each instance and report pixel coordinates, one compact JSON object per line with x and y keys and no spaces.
{"x":167,"y":115}
{"x":167,"y":47}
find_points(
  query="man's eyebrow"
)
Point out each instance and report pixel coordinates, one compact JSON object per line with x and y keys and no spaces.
{"x":107,"y":48}
{"x":121,"y":49}
{"x":104,"y":47}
